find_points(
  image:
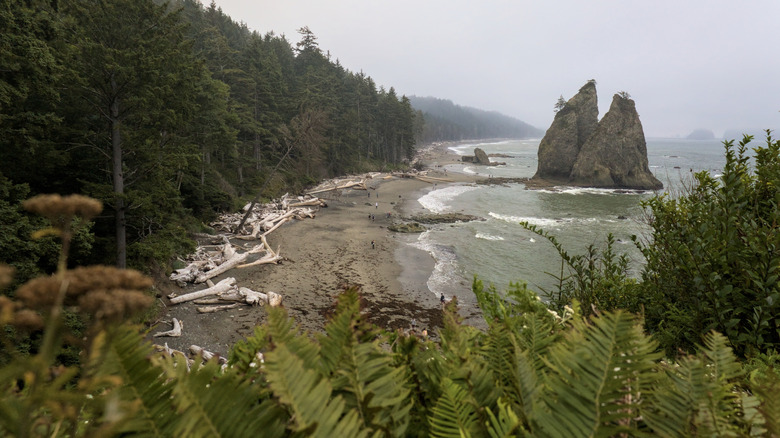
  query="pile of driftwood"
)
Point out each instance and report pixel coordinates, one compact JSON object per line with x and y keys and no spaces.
{"x":218,"y":255}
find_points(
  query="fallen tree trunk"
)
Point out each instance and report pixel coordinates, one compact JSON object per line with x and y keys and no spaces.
{"x":224,"y":267}
{"x":175,"y":332}
{"x":222,"y":286}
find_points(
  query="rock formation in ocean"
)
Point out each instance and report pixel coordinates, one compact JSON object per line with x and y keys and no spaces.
{"x":572,"y":125}
{"x":582,"y":151}
{"x":480,"y":157}
{"x":615,"y":154}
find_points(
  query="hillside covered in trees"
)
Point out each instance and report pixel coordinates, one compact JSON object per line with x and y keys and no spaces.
{"x":169,"y":113}
{"x":445,"y":121}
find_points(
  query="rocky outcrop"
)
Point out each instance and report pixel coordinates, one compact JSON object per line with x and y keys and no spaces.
{"x":480,"y":157}
{"x":615,"y":154}
{"x":579,"y":150}
{"x":572,"y":125}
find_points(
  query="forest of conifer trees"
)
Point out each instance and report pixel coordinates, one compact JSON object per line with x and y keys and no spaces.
{"x":170,"y":113}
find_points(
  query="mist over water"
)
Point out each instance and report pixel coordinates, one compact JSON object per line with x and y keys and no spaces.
{"x":500,"y":251}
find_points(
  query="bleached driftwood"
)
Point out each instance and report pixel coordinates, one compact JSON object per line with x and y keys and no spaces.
{"x":251,"y":297}
{"x":212,"y":309}
{"x":175,"y":332}
{"x":310,"y":202}
{"x":224,"y":267}
{"x":274,"y":299}
{"x":270,"y":258}
{"x":222,"y":286}
{"x":359,"y":184}
{"x":206,"y":355}
{"x":174,"y":354}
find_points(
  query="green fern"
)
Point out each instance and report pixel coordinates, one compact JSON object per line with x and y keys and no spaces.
{"x":699,"y":396}
{"x":143,"y":389}
{"x":363,"y":373}
{"x":452,"y":416}
{"x":308,"y":396}
{"x":597,"y":376}
{"x":506,"y":424}
{"x":212,"y":403}
{"x":767,"y":390}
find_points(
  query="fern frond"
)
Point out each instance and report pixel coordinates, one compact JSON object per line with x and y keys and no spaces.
{"x":597,"y":376}
{"x":537,"y":338}
{"x":768,"y":390}
{"x":126,"y":355}
{"x":506,"y":424}
{"x":282,"y":330}
{"x":699,"y":394}
{"x":308,"y":397}
{"x":211,"y":403}
{"x":452,"y":416}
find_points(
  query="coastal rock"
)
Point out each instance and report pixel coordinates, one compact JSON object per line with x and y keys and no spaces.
{"x":480,"y":157}
{"x":408,"y":227}
{"x":571,"y":127}
{"x":444,"y":218}
{"x":579,"y":150}
{"x":615,"y":154}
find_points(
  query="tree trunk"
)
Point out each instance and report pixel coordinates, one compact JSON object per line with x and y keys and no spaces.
{"x":118,"y":181}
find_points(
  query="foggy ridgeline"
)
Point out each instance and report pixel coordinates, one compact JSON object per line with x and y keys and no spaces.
{"x":184,"y":121}
{"x":446,"y":121}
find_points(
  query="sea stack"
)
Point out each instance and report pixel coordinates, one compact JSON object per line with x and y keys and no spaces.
{"x":572,"y":125}
{"x":611,"y":153}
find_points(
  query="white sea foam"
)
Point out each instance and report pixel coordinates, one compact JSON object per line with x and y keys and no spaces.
{"x":568,"y":190}
{"x":438,"y":201}
{"x":445,"y":271}
{"x":541,"y":221}
{"x":486,"y":236}
{"x":469,"y":170}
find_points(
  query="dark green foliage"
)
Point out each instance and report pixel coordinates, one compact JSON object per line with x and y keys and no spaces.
{"x":172,"y":113}
{"x":713,"y":261}
{"x":597,"y":279}
{"x":29,"y":257}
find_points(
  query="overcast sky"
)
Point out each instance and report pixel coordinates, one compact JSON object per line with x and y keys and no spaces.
{"x":709,"y":64}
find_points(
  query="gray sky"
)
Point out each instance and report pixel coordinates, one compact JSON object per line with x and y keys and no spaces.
{"x":688,"y":64}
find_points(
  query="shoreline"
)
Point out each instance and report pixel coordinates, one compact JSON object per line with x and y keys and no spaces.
{"x":331,"y":252}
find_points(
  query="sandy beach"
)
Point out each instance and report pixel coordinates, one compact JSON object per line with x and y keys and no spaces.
{"x":325,"y":255}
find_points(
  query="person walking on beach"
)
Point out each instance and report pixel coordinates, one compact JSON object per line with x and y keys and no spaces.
{"x":372,"y":246}
{"x":376,"y":204}
{"x":442,"y":298}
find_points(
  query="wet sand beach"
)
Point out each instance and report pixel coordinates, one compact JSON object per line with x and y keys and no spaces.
{"x":325,"y":255}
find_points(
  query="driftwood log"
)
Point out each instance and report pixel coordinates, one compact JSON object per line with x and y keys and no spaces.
{"x":175,"y":332}
{"x":222,"y":286}
{"x":206,"y":355}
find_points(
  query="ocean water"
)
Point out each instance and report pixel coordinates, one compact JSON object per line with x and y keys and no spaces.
{"x":499,"y":251}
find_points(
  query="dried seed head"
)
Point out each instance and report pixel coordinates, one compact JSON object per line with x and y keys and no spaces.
{"x":6,"y":275}
{"x":27,"y":319}
{"x":88,"y":278}
{"x":6,"y":310}
{"x":114,"y":305}
{"x":61,"y":210}
{"x":41,"y":293}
